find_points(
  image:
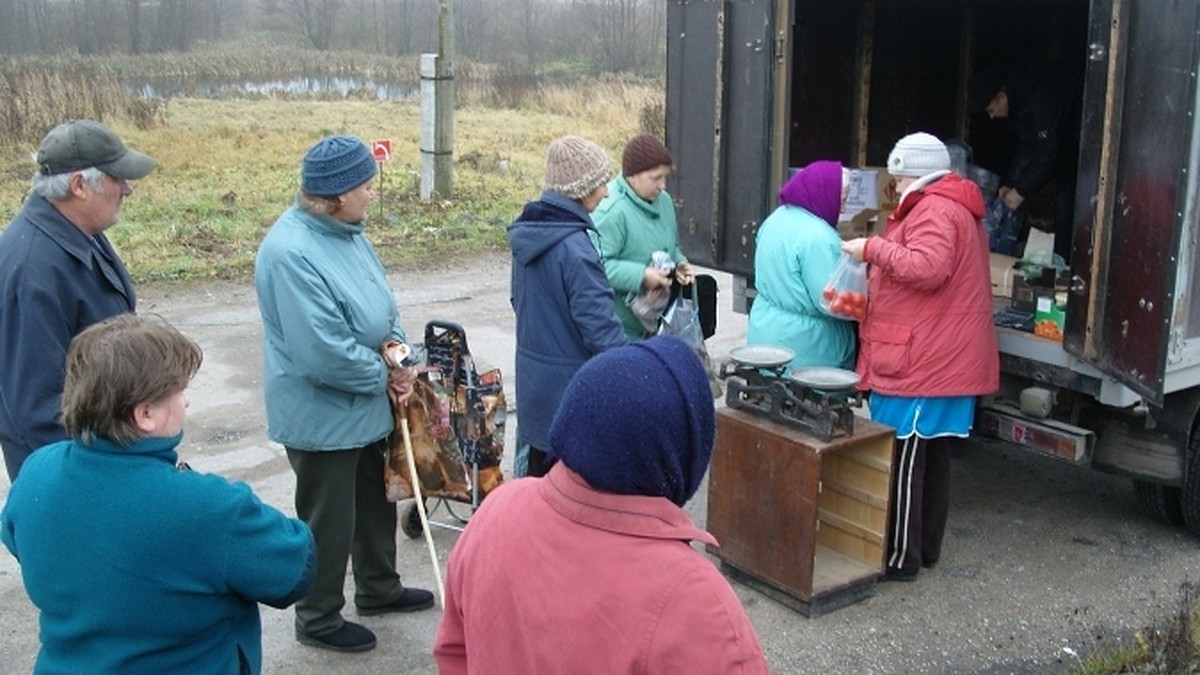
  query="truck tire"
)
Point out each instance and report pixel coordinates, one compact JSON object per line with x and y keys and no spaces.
{"x":1190,"y":494}
{"x":1164,"y":502}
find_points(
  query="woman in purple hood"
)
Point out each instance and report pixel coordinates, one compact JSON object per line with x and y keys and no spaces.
{"x":796,"y":250}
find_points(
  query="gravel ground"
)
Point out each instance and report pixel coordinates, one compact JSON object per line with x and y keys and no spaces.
{"x":1042,"y":560}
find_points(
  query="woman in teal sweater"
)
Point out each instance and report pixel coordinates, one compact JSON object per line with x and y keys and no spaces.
{"x":796,"y":250}
{"x":135,"y":565}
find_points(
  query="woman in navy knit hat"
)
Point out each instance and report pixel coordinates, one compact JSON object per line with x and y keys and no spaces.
{"x":327,"y":310}
{"x":589,"y":569}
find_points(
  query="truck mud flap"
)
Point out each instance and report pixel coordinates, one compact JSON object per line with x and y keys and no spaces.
{"x":1047,"y":437}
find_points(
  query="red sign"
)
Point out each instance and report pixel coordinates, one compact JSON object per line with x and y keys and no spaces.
{"x":382,"y":149}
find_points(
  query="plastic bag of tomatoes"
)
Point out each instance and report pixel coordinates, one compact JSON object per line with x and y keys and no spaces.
{"x":845,"y":294}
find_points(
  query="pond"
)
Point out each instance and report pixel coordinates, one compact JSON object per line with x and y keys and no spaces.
{"x":317,"y":86}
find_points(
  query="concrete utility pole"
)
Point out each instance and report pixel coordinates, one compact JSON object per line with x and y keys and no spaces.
{"x":437,"y":109}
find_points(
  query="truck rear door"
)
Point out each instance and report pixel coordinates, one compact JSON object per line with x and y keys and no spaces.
{"x":1134,"y":172}
{"x":718,"y":126}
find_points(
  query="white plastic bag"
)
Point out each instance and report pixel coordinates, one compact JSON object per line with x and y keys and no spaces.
{"x":845,"y":294}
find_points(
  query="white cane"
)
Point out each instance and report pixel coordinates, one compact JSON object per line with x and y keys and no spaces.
{"x":416,"y":486}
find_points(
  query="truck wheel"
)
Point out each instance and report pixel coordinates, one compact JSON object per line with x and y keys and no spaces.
{"x":1164,"y":502}
{"x":410,"y":523}
{"x":1190,"y":495}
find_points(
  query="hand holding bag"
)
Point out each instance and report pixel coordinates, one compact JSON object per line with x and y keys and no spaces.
{"x":845,"y":294}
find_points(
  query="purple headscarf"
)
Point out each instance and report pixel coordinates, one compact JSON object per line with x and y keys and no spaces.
{"x":817,"y":188}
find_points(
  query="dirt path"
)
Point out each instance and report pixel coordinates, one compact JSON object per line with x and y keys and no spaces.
{"x":1039,"y":556}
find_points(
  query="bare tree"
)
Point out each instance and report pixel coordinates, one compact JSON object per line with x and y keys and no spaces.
{"x":476,"y":27}
{"x":133,"y":19}
{"x":529,"y":29}
{"x":221,"y":12}
{"x":317,"y":17}
{"x":615,"y":25}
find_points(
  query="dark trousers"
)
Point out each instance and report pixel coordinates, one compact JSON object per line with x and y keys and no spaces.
{"x":539,"y":462}
{"x":14,"y":457}
{"x":920,"y":502}
{"x":340,"y":494}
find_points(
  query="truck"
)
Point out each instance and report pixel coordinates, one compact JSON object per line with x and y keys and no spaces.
{"x":755,"y":87}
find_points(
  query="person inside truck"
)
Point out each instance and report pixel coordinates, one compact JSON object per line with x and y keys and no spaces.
{"x":633,"y":223}
{"x":1042,"y":109}
{"x":797,"y":249}
{"x":927,"y":346}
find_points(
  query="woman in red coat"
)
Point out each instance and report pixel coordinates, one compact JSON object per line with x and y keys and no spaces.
{"x":927,"y":345}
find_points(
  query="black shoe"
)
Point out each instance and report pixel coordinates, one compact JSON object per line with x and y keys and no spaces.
{"x":896,"y":574}
{"x":351,"y":637}
{"x":411,"y":600}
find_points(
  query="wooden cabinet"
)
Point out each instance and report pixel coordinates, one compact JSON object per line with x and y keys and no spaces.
{"x":798,"y":518}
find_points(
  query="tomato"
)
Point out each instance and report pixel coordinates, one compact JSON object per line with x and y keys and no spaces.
{"x":837,"y":306}
{"x":829,"y":293}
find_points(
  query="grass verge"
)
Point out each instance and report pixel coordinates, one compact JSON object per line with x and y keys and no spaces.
{"x":228,"y":168}
{"x":1169,"y":648}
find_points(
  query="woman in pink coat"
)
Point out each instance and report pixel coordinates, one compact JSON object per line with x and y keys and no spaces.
{"x":589,"y":569}
{"x":927,"y":346}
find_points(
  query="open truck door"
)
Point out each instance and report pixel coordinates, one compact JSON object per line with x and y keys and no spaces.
{"x":1132,"y":210}
{"x":720,"y":55}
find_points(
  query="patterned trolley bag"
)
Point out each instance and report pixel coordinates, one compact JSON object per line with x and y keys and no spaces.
{"x":456,"y":421}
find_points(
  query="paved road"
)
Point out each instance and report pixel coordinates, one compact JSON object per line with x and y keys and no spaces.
{"x":1040,"y":556}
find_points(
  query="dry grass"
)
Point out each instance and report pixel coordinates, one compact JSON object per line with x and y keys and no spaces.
{"x":228,"y":168}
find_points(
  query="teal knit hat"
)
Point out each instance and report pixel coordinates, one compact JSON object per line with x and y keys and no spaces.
{"x":638,"y":420}
{"x":336,"y":165}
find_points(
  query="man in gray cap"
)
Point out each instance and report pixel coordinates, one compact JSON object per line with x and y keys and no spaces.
{"x":59,"y":274}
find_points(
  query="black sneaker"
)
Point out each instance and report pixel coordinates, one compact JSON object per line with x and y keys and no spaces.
{"x":411,"y":600}
{"x":351,"y":637}
{"x":897,"y":574}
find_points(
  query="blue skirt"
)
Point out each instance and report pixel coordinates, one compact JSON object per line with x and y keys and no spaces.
{"x":927,"y":417}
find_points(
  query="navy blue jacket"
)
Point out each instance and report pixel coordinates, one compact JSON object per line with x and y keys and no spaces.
{"x":564,"y":307}
{"x":53,"y":284}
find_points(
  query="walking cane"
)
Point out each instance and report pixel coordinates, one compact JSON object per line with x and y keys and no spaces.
{"x":416,"y":486}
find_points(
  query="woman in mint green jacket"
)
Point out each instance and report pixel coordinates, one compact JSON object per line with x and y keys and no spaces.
{"x":796,"y":250}
{"x":635,"y":221}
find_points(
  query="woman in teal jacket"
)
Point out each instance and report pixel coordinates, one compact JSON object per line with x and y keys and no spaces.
{"x":135,"y":564}
{"x":635,"y":221}
{"x":327,"y":311}
{"x":797,"y":248}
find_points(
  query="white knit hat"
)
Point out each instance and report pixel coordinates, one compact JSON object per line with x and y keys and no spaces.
{"x":575,"y":166}
{"x":917,"y":155}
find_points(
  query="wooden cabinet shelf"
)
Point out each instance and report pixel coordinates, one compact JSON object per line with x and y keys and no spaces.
{"x":798,"y":518}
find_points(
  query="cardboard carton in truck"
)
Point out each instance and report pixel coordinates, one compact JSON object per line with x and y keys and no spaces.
{"x":755,"y":87}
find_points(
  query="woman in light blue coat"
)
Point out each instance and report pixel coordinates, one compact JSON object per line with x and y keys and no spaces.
{"x":797,"y":248}
{"x":327,"y":311}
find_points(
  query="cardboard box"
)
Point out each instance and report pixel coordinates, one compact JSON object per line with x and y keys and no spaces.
{"x":1003,"y":273}
{"x":1049,"y":317}
{"x":869,"y":203}
{"x":864,"y":192}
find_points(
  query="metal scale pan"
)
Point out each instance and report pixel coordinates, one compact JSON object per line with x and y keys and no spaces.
{"x":767,"y":357}
{"x":825,"y":379}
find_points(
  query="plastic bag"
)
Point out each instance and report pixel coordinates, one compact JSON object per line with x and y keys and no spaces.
{"x":845,"y":294}
{"x":1003,"y":227}
{"x":648,"y":305}
{"x":682,"y":319}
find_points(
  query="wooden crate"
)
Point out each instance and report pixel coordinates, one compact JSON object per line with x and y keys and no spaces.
{"x":798,"y":518}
